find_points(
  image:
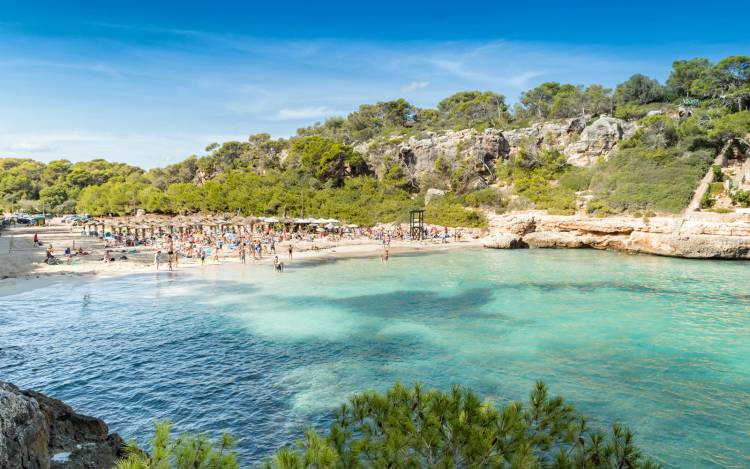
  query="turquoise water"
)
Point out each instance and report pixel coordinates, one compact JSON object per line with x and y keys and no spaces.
{"x":662,"y":345}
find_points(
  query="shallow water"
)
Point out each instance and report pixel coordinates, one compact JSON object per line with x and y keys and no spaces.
{"x":662,"y":345}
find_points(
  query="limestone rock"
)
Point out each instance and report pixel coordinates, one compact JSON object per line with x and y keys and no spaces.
{"x":473,"y":151}
{"x":544,"y":136}
{"x":699,"y":236}
{"x":432,"y":194}
{"x":598,"y":139}
{"x":553,"y":239}
{"x":23,"y":430}
{"x":504,"y":241}
{"x":39,"y":432}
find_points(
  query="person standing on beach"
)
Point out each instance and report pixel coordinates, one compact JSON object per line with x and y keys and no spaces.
{"x":156,"y":259}
{"x":290,"y":251}
{"x":203,"y":256}
{"x":242,"y":252}
{"x":216,"y":253}
{"x":170,"y":254}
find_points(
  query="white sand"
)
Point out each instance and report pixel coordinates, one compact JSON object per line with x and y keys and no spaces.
{"x":22,"y":265}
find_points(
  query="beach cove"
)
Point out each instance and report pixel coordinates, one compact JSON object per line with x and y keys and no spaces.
{"x":656,"y":343}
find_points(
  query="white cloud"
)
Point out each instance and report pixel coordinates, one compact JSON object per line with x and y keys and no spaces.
{"x":414,"y":86}
{"x":25,"y":146}
{"x":307,"y":112}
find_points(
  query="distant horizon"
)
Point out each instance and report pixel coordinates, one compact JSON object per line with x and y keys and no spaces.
{"x":151,"y":86}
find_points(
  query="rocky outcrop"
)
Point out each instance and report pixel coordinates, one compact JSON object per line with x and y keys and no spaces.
{"x":544,"y":136}
{"x":703,"y":236}
{"x":598,"y":140}
{"x":39,"y":432}
{"x":475,"y":154}
{"x":433,"y":194}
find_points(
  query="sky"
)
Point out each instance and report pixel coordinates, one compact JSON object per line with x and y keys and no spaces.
{"x":150,"y":83}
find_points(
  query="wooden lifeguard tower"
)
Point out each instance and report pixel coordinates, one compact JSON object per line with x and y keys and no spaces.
{"x":416,"y":223}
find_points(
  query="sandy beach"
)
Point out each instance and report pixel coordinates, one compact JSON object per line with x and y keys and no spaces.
{"x":22,"y":265}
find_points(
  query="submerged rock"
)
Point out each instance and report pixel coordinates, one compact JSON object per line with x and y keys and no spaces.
{"x":39,"y":432}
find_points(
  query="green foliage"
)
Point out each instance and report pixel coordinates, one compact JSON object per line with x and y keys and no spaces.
{"x":741,"y":198}
{"x":718,"y":173}
{"x":685,"y":73}
{"x":736,"y":125}
{"x":450,"y":211}
{"x":413,"y":427}
{"x":184,"y":452}
{"x":487,"y":198}
{"x":535,"y":178}
{"x":327,"y":160}
{"x":658,"y":131}
{"x":707,"y":201}
{"x":643,"y":178}
{"x":555,"y":100}
{"x":473,"y":109}
{"x":266,"y":176}
{"x":639,"y":89}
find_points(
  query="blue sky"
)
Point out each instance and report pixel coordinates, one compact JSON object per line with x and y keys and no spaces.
{"x":150,"y":83}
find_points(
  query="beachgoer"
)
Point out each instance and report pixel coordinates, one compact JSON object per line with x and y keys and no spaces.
{"x":156,"y":259}
{"x":170,"y":255}
{"x":203,"y":256}
{"x":290,"y":251}
{"x":277,"y":266}
{"x":242,"y":253}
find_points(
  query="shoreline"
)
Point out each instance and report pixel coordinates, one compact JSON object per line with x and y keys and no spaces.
{"x":39,"y":275}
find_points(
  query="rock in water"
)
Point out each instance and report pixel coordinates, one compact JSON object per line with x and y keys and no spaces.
{"x":39,"y":432}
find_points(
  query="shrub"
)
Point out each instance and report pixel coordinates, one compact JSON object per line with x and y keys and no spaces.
{"x":641,"y":178}
{"x":717,"y":173}
{"x":741,"y":198}
{"x":489,"y":197}
{"x":448,"y":211}
{"x":413,"y":427}
{"x":707,"y":201}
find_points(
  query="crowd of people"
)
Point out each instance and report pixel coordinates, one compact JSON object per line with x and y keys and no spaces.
{"x":199,"y":246}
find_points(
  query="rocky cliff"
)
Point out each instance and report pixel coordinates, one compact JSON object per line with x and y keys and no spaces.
{"x":702,"y":236}
{"x":476,"y":153}
{"x":39,"y":432}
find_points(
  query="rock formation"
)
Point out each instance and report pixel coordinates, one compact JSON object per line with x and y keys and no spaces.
{"x":702,"y":236}
{"x":475,"y":154}
{"x":598,"y":139}
{"x":39,"y":432}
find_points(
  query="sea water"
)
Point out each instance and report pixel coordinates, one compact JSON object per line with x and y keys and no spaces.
{"x":662,"y":345}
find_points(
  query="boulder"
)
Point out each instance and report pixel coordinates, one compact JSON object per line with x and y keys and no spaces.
{"x":432,"y":194}
{"x":504,"y":241}
{"x":553,"y":239}
{"x":476,"y":153}
{"x":39,"y":432}
{"x":544,"y":136}
{"x":598,"y":139}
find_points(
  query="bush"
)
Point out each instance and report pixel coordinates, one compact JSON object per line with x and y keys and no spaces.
{"x":448,"y":211}
{"x":577,"y":179}
{"x":717,"y":173}
{"x":741,"y":198}
{"x":533,"y":177}
{"x":707,"y":201}
{"x":413,"y":427}
{"x":489,"y":197}
{"x":640,"y":178}
{"x":184,"y":452}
